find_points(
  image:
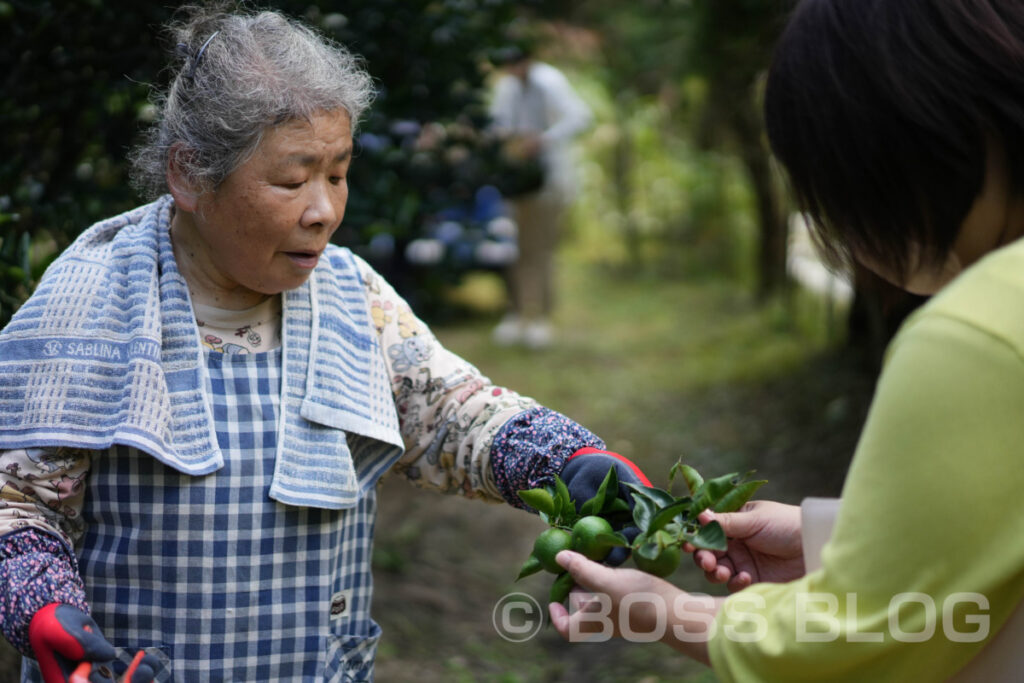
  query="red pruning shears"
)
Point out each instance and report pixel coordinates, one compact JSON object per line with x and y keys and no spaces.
{"x":85,"y":672}
{"x":70,"y":649}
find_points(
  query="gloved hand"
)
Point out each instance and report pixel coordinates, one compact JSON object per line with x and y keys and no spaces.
{"x":70,"y":648}
{"x":583,"y":473}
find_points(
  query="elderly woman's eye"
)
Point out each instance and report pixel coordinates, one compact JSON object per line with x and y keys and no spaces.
{"x":291,"y":186}
{"x":336,"y":179}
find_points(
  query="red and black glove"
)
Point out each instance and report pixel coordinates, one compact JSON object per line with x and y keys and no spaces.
{"x":583,"y":473}
{"x":70,"y":649}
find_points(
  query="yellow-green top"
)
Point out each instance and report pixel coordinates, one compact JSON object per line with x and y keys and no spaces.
{"x":933,"y":506}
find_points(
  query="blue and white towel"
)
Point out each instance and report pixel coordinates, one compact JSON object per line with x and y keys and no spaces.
{"x":107,"y":352}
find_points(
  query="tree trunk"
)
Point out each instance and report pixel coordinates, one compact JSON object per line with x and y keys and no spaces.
{"x":772,"y":250}
{"x":771,"y":261}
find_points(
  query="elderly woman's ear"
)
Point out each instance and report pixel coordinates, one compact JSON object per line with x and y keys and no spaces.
{"x":183,"y":187}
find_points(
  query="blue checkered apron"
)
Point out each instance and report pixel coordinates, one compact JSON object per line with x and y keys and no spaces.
{"x":211,"y":575}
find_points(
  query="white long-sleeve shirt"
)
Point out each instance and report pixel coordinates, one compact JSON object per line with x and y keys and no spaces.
{"x":546,"y":105}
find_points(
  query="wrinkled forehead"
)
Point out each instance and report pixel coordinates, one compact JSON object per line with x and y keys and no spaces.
{"x":324,"y":136}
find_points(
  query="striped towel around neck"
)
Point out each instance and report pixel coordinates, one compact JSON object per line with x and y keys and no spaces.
{"x":107,"y":352}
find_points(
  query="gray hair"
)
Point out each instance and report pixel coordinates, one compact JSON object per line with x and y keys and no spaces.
{"x":241,"y":74}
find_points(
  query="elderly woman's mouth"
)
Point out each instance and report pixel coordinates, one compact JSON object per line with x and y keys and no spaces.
{"x":304,"y":259}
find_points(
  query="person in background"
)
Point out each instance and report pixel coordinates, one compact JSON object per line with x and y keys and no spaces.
{"x":540,"y":114}
{"x":901,"y":126}
{"x":199,"y":399}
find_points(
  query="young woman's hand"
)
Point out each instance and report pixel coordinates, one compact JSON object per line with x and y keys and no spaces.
{"x":628,"y":603}
{"x":765,"y":544}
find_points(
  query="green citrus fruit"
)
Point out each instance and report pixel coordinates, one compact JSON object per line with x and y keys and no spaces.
{"x":663,"y":565}
{"x":585,"y":539}
{"x":550,"y":543}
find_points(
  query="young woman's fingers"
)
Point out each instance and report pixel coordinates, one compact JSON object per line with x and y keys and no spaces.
{"x":717,"y":568}
{"x":740,"y":524}
{"x":739,"y":582}
{"x":719,"y":574}
{"x":559,"y":618}
{"x":582,"y":600}
{"x":723,"y":572}
{"x":570,"y":623}
{"x":590,"y":575}
{"x":707,"y":560}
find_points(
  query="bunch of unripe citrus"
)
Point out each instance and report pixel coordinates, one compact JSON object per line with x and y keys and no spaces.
{"x":662,"y":523}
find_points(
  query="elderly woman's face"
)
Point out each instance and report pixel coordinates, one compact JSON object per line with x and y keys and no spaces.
{"x":264,"y":229}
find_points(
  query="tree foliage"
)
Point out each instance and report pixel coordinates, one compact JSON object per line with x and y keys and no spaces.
{"x":77,"y":77}
{"x":654,"y":48}
{"x":74,"y":91}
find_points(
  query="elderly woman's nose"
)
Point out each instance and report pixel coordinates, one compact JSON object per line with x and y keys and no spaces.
{"x":326,"y":206}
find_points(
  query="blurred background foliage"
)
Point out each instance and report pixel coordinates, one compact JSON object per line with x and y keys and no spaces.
{"x":677,"y":167}
{"x":78,"y":74}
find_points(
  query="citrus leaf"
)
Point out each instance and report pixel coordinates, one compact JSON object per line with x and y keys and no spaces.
{"x":596,"y":503}
{"x":659,"y":497}
{"x":711,"y":536}
{"x":615,"y":540}
{"x":665,"y":539}
{"x":611,"y":492}
{"x":561,"y":491}
{"x":565,"y":509}
{"x":668,"y":513}
{"x":674,"y":471}
{"x":690,"y":476}
{"x":734,"y":500}
{"x":716,"y":489}
{"x":617,"y":505}
{"x":643,"y":510}
{"x":539,"y":499}
{"x":531,"y":566}
{"x":560,"y":587}
{"x":649,"y":550}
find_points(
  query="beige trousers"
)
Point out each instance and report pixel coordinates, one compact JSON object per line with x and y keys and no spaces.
{"x":530,"y":280}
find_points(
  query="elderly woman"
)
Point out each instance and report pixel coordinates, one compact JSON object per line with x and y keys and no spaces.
{"x":199,"y":399}
{"x":901,"y":125}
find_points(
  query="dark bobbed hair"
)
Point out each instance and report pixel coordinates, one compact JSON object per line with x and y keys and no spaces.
{"x":881,"y":111}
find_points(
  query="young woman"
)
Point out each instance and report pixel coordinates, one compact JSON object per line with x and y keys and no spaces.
{"x":901,"y":126}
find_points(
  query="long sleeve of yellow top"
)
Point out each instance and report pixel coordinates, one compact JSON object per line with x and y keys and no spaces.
{"x":928,"y":547}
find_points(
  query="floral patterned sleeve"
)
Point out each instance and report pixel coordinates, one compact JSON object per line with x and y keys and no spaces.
{"x":462,"y":433}
{"x":41,"y":496}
